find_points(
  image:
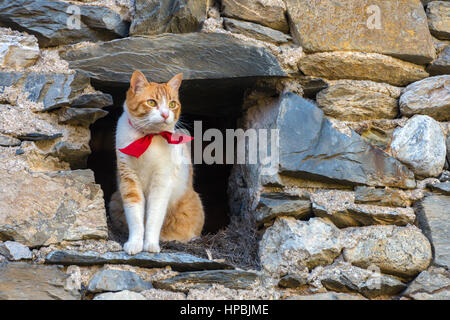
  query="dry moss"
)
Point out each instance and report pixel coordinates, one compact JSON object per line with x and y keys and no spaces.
{"x":236,"y":244}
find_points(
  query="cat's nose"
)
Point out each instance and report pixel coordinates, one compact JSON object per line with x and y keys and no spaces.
{"x":165,"y":115}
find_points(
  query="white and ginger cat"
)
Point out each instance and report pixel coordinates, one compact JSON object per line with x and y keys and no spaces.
{"x":156,"y":186}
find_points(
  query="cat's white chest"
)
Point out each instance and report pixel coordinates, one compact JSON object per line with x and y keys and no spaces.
{"x":161,"y":164}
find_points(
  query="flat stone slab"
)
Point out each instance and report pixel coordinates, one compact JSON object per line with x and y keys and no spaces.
{"x":54,"y":22}
{"x":22,"y":281}
{"x":15,"y":251}
{"x":197,"y":55}
{"x":177,"y":261}
{"x":443,"y":187}
{"x":433,"y":216}
{"x":311,"y":147}
{"x":272,"y":205}
{"x":233,"y":279}
{"x":117,"y":280}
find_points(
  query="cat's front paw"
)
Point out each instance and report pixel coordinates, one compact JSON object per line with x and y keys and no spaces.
{"x":132,"y":247}
{"x":152,"y":247}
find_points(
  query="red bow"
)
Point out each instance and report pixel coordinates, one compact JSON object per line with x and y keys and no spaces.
{"x":138,"y":147}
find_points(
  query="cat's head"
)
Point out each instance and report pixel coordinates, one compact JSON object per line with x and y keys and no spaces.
{"x":153,"y":107}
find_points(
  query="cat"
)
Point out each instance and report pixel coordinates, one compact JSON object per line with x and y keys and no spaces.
{"x":156,"y":186}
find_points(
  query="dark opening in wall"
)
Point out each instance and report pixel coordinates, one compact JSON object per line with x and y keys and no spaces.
{"x":210,"y":181}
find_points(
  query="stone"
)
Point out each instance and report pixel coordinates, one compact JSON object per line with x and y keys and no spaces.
{"x":344,"y":277}
{"x":272,"y":205}
{"x":432,"y":284}
{"x":438,"y":13}
{"x":256,"y":31}
{"x":173,"y":16}
{"x":290,"y":246}
{"x":38,"y":209}
{"x":269,"y":13}
{"x":55,"y":90}
{"x":329,"y":26}
{"x":447,"y":142}
{"x":429,"y":97}
{"x":193,"y":54}
{"x":442,"y":63}
{"x":311,"y":147}
{"x":359,"y":100}
{"x":81,"y":116}
{"x":56,"y":23}
{"x":443,"y":187}
{"x":361,"y":66}
{"x":15,"y":251}
{"x":22,"y":281}
{"x":434,"y":219}
{"x":156,"y":294}
{"x":420,"y":144}
{"x":6,"y":141}
{"x":177,"y":261}
{"x":117,"y":280}
{"x":339,"y":207}
{"x":18,"y":50}
{"x":382,"y":197}
{"x":398,"y":251}
{"x":311,"y":85}
{"x":121,"y":295}
{"x":292,"y":281}
{"x":327,"y":296}
{"x":233,"y":279}
{"x":92,"y":100}
{"x":445,"y":176}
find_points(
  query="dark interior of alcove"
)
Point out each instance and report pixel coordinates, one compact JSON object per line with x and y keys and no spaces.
{"x":215,"y":108}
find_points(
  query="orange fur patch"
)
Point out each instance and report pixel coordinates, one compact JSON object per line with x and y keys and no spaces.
{"x":185,"y":220}
{"x":128,"y":186}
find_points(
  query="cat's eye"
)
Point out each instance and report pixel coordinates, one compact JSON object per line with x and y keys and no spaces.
{"x":172,"y":105}
{"x":151,"y":103}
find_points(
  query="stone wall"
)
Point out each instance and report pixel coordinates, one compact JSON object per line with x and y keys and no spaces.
{"x":357,"y":207}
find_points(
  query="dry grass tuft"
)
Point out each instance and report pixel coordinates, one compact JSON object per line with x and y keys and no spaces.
{"x":236,"y":244}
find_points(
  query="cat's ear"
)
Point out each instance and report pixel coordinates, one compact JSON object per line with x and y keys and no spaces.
{"x":175,"y":82}
{"x":138,"y":81}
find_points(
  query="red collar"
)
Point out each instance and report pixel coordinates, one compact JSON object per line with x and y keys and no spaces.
{"x":138,"y":147}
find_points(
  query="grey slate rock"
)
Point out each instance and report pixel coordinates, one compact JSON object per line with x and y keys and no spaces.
{"x":198,"y":56}
{"x":310,"y":147}
{"x":256,"y":31}
{"x":432,"y":284}
{"x":55,"y":90}
{"x":292,"y":281}
{"x":443,"y":187}
{"x":177,"y":261}
{"x":271,"y":206}
{"x":117,"y":280}
{"x":233,"y":279}
{"x":6,"y":141}
{"x":348,"y":278}
{"x":15,"y":251}
{"x":168,"y":16}
{"x":92,"y":100}
{"x":48,"y":21}
{"x":441,"y":65}
{"x":433,"y":216}
{"x":81,"y":116}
